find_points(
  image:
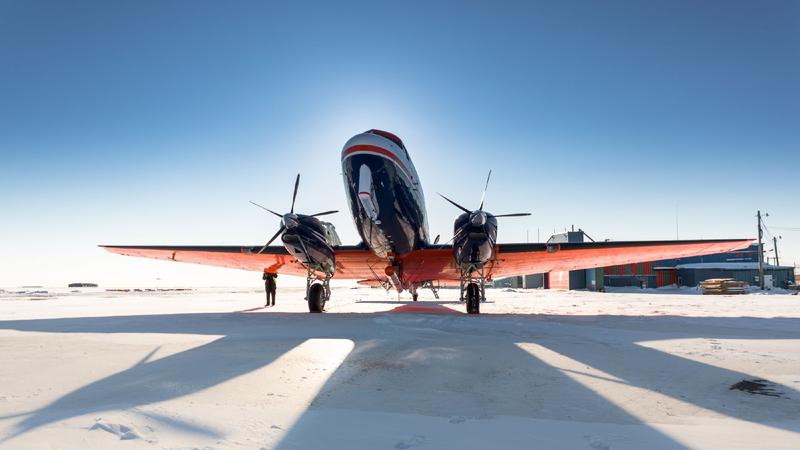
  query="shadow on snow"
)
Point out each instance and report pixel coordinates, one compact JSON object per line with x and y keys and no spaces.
{"x":508,"y":382}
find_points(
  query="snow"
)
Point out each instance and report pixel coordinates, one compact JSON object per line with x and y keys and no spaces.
{"x":627,"y":369}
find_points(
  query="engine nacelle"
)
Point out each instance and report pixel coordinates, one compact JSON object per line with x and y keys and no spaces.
{"x":311,"y":242}
{"x":475,"y":234}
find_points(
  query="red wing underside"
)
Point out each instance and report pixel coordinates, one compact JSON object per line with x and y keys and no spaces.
{"x":351,"y":262}
{"x":522,"y":259}
{"x":437,"y":264}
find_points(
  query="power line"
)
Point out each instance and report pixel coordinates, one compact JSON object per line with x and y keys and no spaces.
{"x":760,"y":252}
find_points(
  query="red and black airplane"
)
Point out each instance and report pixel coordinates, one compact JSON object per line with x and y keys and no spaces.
{"x":388,"y":207}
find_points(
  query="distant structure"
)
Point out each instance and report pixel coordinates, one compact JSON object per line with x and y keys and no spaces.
{"x":740,"y":265}
{"x":81,"y":285}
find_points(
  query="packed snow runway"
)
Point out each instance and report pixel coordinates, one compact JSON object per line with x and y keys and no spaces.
{"x":537,"y":369}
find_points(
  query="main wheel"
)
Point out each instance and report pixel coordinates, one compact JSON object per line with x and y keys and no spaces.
{"x":414,"y":296}
{"x":473,"y":299}
{"x":316,"y":298}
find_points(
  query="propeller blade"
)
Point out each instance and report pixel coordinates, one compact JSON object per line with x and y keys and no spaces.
{"x":455,"y":204}
{"x":483,"y":196}
{"x":512,"y":215}
{"x":280,"y":230}
{"x":267,"y":209}
{"x":324,"y":213}
{"x":448,"y":241}
{"x":294,"y":196}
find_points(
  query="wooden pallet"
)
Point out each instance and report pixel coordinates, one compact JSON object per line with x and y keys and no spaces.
{"x":723,"y":286}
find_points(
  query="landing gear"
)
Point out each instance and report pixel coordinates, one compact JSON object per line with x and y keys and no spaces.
{"x":414,"y":293}
{"x":473,"y":299}
{"x":473,"y":282}
{"x":433,"y":287}
{"x":316,"y":298}
{"x":317,"y":293}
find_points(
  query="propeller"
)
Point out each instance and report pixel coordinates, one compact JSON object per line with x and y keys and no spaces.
{"x":485,"y":188}
{"x":478,"y":217}
{"x":290,"y":220}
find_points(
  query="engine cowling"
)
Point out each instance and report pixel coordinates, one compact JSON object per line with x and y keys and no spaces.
{"x":475,"y":234}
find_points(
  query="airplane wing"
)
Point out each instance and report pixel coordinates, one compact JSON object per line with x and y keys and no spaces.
{"x":521,"y":259}
{"x":352,"y":262}
{"x":436,"y":263}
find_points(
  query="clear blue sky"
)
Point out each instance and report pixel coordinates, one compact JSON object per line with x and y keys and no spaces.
{"x":155,"y":122}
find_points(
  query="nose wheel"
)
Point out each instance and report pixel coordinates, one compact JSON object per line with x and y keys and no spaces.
{"x":473,"y":288}
{"x":473,"y":299}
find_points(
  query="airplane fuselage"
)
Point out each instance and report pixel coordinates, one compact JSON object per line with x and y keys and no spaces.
{"x":384,"y":194}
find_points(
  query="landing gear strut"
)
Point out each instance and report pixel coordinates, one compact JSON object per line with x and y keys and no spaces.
{"x":433,"y":287}
{"x":317,"y":293}
{"x":473,"y":287}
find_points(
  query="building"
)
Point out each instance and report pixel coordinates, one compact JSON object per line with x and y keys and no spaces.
{"x":740,"y":265}
{"x":692,"y":274}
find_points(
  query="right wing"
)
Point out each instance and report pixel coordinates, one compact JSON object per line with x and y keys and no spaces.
{"x":352,"y":262}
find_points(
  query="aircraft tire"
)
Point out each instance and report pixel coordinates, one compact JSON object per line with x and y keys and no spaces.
{"x":473,"y":299}
{"x":316,"y":298}
{"x":414,"y":296}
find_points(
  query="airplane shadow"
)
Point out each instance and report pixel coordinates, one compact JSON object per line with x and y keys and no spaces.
{"x":439,"y":349}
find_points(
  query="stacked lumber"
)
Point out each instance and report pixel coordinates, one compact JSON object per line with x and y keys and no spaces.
{"x":723,"y":286}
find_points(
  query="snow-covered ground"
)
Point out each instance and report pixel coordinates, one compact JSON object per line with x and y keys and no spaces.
{"x":538,"y":369}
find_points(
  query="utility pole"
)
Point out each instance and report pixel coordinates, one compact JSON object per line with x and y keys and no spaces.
{"x":775,"y":247}
{"x":760,"y":253}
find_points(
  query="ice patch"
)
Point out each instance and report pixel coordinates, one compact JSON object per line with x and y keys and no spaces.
{"x":596,"y":444}
{"x":124,"y":432}
{"x":412,"y":442}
